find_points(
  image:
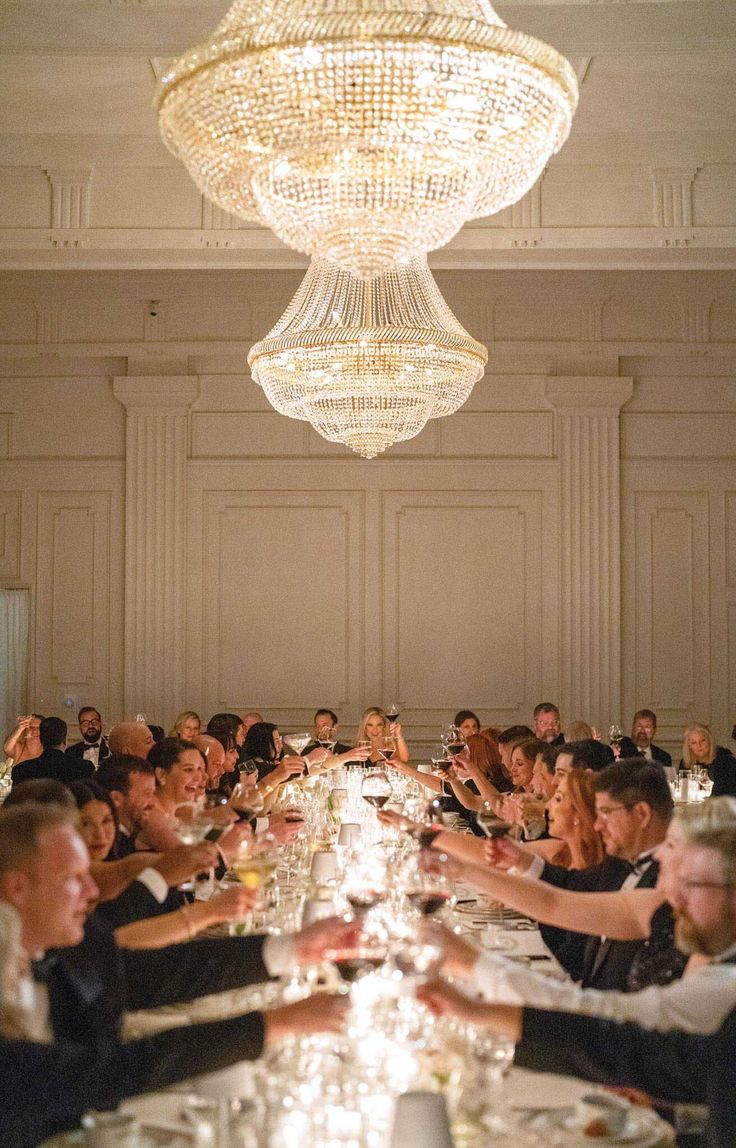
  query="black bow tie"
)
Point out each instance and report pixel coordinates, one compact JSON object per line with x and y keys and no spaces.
{"x":42,"y":968}
{"x":640,"y":866}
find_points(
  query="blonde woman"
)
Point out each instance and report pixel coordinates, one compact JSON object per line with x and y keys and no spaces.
{"x":373,"y":726}
{"x":186,"y":726}
{"x":699,"y":751}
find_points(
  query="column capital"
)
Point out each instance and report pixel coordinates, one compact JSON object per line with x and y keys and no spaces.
{"x":592,"y":395}
{"x":162,"y":394}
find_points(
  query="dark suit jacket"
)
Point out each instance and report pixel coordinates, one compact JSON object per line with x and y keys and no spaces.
{"x":45,"y":1088}
{"x":94,"y":982}
{"x":661,"y":756}
{"x":594,"y":963}
{"x":676,"y":1067}
{"x":77,"y":750}
{"x":136,"y":903}
{"x":54,"y":763}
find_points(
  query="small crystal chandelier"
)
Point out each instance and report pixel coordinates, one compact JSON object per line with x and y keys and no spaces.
{"x":366,"y":131}
{"x":367,"y":362}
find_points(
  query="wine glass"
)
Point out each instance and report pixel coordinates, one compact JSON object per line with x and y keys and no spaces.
{"x":429,"y":889}
{"x":616,"y":736}
{"x":247,"y":800}
{"x":386,"y":747}
{"x":327,"y":736}
{"x":393,"y":710}
{"x":376,"y":788}
{"x":705,"y":781}
{"x":192,"y":824}
{"x":364,"y":885}
{"x":453,"y":740}
{"x":440,"y":759}
{"x":488,"y":820}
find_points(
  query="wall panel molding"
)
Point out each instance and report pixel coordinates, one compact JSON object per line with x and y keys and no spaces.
{"x":10,"y":534}
{"x":73,"y":607}
{"x":462,"y":603}
{"x":282,"y":615}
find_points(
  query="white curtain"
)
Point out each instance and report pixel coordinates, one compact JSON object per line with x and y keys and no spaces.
{"x":14,"y":610}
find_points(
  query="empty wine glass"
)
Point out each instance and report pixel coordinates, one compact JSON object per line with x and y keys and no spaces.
{"x":298,"y":741}
{"x":192,"y":824}
{"x":616,"y":736}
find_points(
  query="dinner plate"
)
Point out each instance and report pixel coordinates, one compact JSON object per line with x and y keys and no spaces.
{"x":643,"y":1129}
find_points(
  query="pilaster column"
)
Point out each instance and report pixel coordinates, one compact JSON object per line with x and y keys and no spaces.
{"x":588,"y":446}
{"x":155,"y":541}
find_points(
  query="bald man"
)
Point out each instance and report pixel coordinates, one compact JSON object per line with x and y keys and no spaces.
{"x":133,"y":737}
{"x":250,"y":719}
{"x":214,"y":757}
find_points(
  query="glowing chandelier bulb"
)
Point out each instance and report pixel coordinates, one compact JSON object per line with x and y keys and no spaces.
{"x":366,"y":131}
{"x":367,"y":362}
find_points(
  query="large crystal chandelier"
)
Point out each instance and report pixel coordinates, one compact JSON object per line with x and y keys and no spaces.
{"x":367,"y":362}
{"x":366,"y":131}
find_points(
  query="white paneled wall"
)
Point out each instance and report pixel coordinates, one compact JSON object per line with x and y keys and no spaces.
{"x":570,"y":535}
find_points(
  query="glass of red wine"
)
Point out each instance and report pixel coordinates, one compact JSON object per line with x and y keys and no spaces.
{"x":488,"y":820}
{"x":429,"y":889}
{"x":386,"y":746}
{"x":393,"y":711}
{"x":376,"y":788}
{"x":453,"y":740}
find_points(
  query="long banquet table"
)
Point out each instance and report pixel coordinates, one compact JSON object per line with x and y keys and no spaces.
{"x":340,"y":1092}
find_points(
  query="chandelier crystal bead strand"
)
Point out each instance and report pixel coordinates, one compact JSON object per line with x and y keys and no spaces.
{"x":367,"y":362}
{"x":366,"y":132}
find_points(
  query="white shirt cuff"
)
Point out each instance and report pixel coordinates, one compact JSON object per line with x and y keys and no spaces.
{"x":534,"y":872}
{"x":279,"y":955}
{"x":261,"y":824}
{"x":490,"y":981}
{"x":155,"y":883}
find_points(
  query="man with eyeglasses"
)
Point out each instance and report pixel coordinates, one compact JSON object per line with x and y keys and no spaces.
{"x":93,"y":747}
{"x":633,"y":809}
{"x":678,"y":1067}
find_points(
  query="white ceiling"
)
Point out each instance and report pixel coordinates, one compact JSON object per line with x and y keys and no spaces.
{"x":77,"y":81}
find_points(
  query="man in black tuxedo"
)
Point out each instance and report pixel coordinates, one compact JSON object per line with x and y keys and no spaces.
{"x":633,"y":809}
{"x":131,"y":783}
{"x":53,"y":762}
{"x":93,"y":746}
{"x":83,"y":983}
{"x":675,"y":1067}
{"x":643,"y":730}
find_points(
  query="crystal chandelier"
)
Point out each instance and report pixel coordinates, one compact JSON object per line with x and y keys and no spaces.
{"x":366,"y":131}
{"x":367,"y":362}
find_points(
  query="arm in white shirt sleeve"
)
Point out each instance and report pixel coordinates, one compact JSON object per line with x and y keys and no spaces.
{"x":534,"y":872}
{"x":279,"y":955}
{"x":698,"y":1003}
{"x":155,"y":883}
